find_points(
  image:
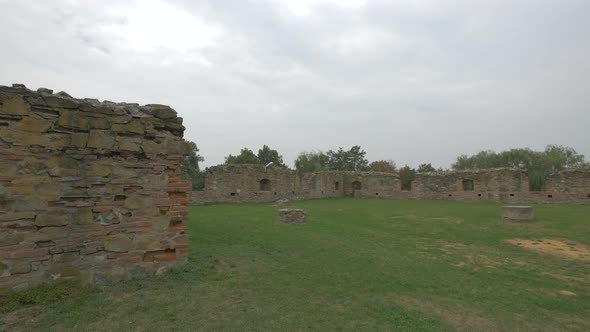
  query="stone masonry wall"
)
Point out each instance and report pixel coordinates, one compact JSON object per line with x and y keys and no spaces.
{"x":501,"y":185}
{"x":88,"y":189}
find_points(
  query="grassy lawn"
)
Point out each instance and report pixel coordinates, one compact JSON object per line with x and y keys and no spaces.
{"x":358,"y":265}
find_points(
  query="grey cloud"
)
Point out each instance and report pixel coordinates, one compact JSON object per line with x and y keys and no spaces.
{"x":414,"y":83}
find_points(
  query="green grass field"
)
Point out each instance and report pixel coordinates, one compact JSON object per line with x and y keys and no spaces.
{"x":358,"y":265}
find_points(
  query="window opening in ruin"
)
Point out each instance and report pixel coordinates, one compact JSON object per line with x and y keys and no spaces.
{"x":468,"y":185}
{"x":356,"y":185}
{"x":511,"y":195}
{"x":336,"y":185}
{"x":265,"y":185}
{"x":450,"y":195}
{"x":376,"y":194}
{"x":549,"y":196}
{"x":587,"y":195}
{"x":406,"y":185}
{"x":232,"y":194}
{"x":479,"y":195}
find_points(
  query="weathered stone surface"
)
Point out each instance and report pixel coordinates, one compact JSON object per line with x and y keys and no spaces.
{"x":79,"y":140}
{"x":78,"y":198}
{"x":137,"y":202}
{"x":33,"y":125}
{"x":118,"y":243}
{"x":99,"y":123}
{"x":63,"y":166}
{"x":53,"y":218}
{"x":132,"y":144}
{"x":82,"y":216}
{"x":9,"y":239}
{"x":160,"y":111}
{"x":17,"y":216}
{"x":148,"y":242}
{"x":60,"y":102}
{"x":134,"y":127}
{"x":101,"y":139}
{"x":15,"y":105}
{"x":72,"y":120}
{"x":45,"y":91}
{"x":20,"y":268}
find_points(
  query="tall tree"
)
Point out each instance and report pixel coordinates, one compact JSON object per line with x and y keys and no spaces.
{"x":189,"y":167}
{"x":387,"y":166}
{"x":246,"y":156}
{"x":425,"y":168}
{"x":351,"y":160}
{"x":312,"y":161}
{"x":267,"y":155}
{"x":538,"y":164}
{"x":407,"y":176}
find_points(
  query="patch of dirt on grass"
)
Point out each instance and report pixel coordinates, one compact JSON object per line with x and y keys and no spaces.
{"x":566,"y":293}
{"x":409,"y":217}
{"x":565,"y":278}
{"x":447,"y":220}
{"x":459,"y":317}
{"x":477,"y":262}
{"x":454,"y":245}
{"x":555,"y":247}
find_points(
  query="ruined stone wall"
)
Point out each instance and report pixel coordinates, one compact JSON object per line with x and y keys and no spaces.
{"x":490,"y":184}
{"x":242,"y":183}
{"x":500,"y":185}
{"x":88,"y":189}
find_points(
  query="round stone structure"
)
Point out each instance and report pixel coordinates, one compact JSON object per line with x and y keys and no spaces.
{"x":517,"y":213}
{"x":292,"y":216}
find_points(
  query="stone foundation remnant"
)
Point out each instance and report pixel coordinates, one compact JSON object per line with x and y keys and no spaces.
{"x":88,"y":190}
{"x":517,"y":213}
{"x":292,"y":216}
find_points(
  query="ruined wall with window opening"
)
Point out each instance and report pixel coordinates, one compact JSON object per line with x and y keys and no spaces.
{"x":240,"y":183}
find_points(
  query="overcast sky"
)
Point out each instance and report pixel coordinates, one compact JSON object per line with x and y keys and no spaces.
{"x":413,"y":81}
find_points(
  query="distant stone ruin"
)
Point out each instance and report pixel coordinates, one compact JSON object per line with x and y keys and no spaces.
{"x":88,"y":189}
{"x":255,"y":183}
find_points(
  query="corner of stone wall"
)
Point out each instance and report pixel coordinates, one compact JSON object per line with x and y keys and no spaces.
{"x":88,"y":189}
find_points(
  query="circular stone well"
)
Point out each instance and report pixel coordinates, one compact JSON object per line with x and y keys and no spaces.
{"x":292,"y":216}
{"x":517,"y":213}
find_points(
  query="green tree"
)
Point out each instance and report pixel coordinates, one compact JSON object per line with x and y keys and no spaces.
{"x":407,"y":176}
{"x":538,"y":164}
{"x":246,"y":156}
{"x":267,"y":155}
{"x":313,"y":161}
{"x":425,"y":168}
{"x":351,"y":160}
{"x":189,"y":167}
{"x":387,"y":166}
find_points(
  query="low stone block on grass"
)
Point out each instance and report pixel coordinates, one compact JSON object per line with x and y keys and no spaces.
{"x":292,"y":216}
{"x":517,"y":213}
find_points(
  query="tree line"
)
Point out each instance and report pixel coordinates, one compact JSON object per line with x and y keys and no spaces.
{"x":538,"y":164}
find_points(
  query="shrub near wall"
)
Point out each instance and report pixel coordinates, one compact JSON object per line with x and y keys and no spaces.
{"x":88,"y":189}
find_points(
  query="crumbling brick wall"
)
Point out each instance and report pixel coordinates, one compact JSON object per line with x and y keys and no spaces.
{"x":88,"y":189}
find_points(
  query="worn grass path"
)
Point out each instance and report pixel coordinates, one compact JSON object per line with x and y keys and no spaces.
{"x":358,"y":265}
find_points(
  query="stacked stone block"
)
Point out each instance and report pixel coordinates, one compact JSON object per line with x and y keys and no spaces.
{"x":88,"y":189}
